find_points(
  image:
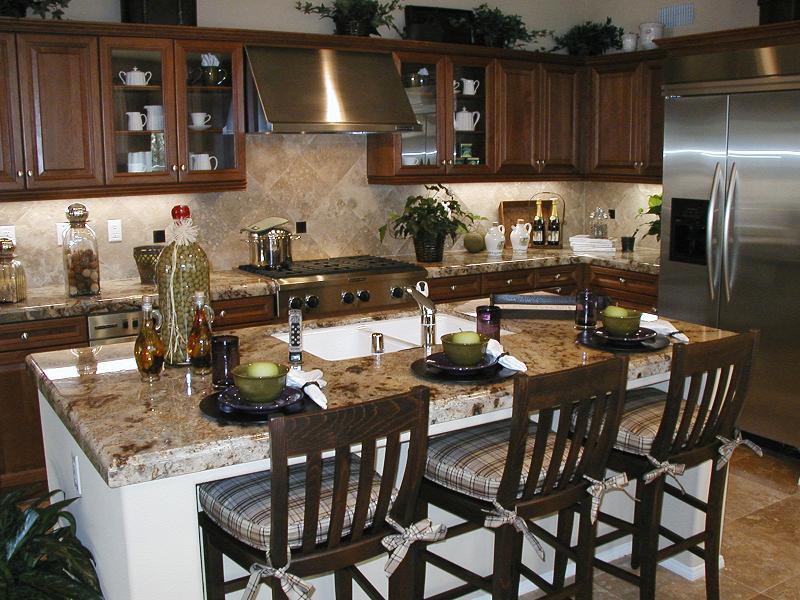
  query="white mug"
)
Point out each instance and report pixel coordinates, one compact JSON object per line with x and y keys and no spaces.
{"x":202,"y":162}
{"x":629,"y":42}
{"x":135,"y":77}
{"x":470,"y":86}
{"x":200,"y":118}
{"x":136,"y":121}
{"x":136,"y":163}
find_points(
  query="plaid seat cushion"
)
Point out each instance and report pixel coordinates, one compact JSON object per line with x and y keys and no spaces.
{"x":471,"y":461}
{"x":644,"y":408}
{"x":241,"y":505}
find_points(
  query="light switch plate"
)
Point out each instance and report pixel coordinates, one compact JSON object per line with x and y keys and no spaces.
{"x":9,"y":231}
{"x":60,"y":229}
{"x":115,"y":230}
{"x":76,"y":476}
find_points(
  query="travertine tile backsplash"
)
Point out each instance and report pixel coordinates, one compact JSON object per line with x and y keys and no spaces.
{"x":320,"y":179}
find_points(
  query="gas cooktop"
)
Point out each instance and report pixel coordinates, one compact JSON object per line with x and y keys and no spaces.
{"x":335,"y":266}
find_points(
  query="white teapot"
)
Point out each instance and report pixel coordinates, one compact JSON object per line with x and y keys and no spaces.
{"x":135,"y":77}
{"x":466,"y":120}
{"x":495,"y":239}
{"x":520,"y":236}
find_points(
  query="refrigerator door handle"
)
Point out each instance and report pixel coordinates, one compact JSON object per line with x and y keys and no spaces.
{"x":726,"y":232}
{"x":713,"y":267}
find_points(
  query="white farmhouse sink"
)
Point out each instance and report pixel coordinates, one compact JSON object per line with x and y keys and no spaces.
{"x":355,"y":341}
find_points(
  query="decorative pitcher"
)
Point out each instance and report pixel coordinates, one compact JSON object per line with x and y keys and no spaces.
{"x":520,"y":236}
{"x":495,"y":239}
{"x":466,"y":120}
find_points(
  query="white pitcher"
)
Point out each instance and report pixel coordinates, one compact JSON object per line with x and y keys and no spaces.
{"x":466,"y":120}
{"x":135,"y":77}
{"x":495,"y":239}
{"x":520,"y":236}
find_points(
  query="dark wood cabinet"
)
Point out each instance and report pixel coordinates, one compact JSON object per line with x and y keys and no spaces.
{"x":559,"y":123}
{"x":12,"y":167}
{"x":507,"y":282}
{"x":627,"y":288}
{"x":243,"y":312}
{"x":455,"y":288}
{"x":626,"y":119}
{"x":21,"y":452}
{"x":60,"y":106}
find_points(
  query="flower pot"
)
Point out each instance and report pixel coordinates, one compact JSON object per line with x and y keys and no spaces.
{"x":429,"y":248}
{"x":627,"y":243}
{"x":352,"y":27}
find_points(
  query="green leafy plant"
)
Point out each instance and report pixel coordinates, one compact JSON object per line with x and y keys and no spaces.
{"x":492,"y":27}
{"x":355,"y":17}
{"x":40,"y":557}
{"x":590,"y":39}
{"x":19,"y":8}
{"x":430,"y":215}
{"x":653,"y":208}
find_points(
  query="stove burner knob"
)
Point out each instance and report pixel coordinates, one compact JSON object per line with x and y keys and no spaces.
{"x":295,"y":302}
{"x":348,"y":297}
{"x":363,"y":295}
{"x":312,"y":301}
{"x":396,"y":292}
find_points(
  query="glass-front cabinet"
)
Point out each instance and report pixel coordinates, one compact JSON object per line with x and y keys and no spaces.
{"x":470,"y":140}
{"x":210,"y":125}
{"x":139,"y":110}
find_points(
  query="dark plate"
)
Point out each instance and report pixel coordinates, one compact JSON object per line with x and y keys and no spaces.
{"x":225,"y":406}
{"x":659,"y":342}
{"x":642,"y":334}
{"x":491,"y":374}
{"x":440,"y":361}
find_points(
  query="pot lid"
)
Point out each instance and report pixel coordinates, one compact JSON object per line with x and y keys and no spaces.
{"x":7,"y":247}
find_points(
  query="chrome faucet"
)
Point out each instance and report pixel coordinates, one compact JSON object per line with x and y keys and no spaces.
{"x":427,"y":313}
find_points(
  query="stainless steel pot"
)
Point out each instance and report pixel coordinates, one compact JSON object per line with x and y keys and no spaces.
{"x":271,"y":249}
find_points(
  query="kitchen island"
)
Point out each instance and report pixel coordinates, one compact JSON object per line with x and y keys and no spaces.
{"x":136,"y":452}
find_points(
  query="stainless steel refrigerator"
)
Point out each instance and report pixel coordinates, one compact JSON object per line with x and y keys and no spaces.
{"x":730,"y":247}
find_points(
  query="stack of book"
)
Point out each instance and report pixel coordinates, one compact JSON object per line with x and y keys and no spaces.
{"x":585,"y":243}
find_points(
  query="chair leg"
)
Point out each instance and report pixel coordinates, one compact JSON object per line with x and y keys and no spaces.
{"x":277,"y":591}
{"x":507,"y":556}
{"x":405,"y":583}
{"x":344,"y":584}
{"x":566,"y":520}
{"x":584,"y":569}
{"x":639,"y":510}
{"x":212,"y":566}
{"x":716,"y":494}
{"x":652,"y":499}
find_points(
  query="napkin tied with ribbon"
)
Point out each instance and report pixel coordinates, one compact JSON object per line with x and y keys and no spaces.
{"x":666,"y":328}
{"x":311,"y":382}
{"x":495,"y":350}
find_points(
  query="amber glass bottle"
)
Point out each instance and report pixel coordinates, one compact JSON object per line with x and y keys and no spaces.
{"x":149,"y":349}
{"x":199,"y":344}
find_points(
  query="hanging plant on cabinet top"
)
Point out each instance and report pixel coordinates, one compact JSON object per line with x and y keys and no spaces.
{"x":355,"y":17}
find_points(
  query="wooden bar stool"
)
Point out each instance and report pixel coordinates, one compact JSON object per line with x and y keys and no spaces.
{"x":505,"y":474}
{"x":661,"y":435}
{"x":325,"y":514}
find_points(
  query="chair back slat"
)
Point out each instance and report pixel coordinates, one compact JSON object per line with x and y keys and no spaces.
{"x":341,"y":486}
{"x":588,"y":399}
{"x":718,"y":373}
{"x":311,"y":508}
{"x":312,"y":434}
{"x":366,"y":477}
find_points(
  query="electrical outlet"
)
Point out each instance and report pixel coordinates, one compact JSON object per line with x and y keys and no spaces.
{"x":612,"y":214}
{"x":60,"y":229}
{"x":76,"y":476}
{"x":9,"y":231}
{"x":115,"y":230}
{"x":159,"y":236}
{"x":301,"y":227}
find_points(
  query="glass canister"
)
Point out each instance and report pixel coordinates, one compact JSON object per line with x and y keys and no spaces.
{"x":81,"y":260}
{"x":598,"y":224}
{"x":13,"y":285}
{"x":182,"y":269}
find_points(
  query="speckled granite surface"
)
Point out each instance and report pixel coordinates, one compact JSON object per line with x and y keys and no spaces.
{"x":463,"y":263}
{"x":123,"y":294}
{"x":135,"y":432}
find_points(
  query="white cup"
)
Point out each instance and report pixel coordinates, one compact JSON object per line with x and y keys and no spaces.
{"x":136,"y":121}
{"x":470,"y":86}
{"x":202,"y":162}
{"x":136,"y":162}
{"x":629,"y":42}
{"x":649,"y":32}
{"x":200,"y":118}
{"x":456,"y":86}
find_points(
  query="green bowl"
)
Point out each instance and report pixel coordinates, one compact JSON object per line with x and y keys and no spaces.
{"x":464,"y":355}
{"x":259,"y":389}
{"x":622,"y":326}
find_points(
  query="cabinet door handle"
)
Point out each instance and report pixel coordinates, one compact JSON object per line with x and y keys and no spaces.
{"x":453,"y":288}
{"x":444,"y":162}
{"x":183,"y":167}
{"x":174,"y":167}
{"x":558,"y":290}
{"x":558,"y":276}
{"x":221,"y":314}
{"x":30,"y":173}
{"x":622,"y":280}
{"x":450,"y":162}
{"x":24,"y":336}
{"x":509,"y":281}
{"x":20,"y":173}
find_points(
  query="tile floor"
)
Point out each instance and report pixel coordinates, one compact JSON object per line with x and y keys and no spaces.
{"x":761,"y":539}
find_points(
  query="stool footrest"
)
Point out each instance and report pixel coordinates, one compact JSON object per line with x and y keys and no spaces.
{"x":475,"y":580}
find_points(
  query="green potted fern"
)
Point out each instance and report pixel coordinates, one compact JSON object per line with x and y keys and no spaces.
{"x":354,"y":17}
{"x":590,"y":39}
{"x":43,"y":8}
{"x":40,"y":555}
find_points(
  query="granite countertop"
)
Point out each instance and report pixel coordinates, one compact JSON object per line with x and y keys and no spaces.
{"x":135,"y":432}
{"x":123,"y":294}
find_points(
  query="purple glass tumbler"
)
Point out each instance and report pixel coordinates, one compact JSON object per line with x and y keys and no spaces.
{"x":488,"y":321}
{"x":224,"y":357}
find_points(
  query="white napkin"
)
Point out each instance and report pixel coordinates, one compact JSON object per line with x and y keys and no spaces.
{"x":666,"y":328}
{"x":495,"y":349}
{"x":311,"y":382}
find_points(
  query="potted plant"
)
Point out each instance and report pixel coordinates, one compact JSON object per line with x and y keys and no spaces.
{"x":19,"y":8}
{"x":590,"y":39}
{"x":492,"y":27}
{"x":40,"y":555}
{"x":355,"y":17}
{"x":653,"y":208}
{"x":428,"y":219}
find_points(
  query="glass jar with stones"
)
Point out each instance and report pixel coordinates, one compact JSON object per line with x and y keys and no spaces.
{"x":182,"y":270}
{"x":13,"y":284}
{"x":81,"y":260}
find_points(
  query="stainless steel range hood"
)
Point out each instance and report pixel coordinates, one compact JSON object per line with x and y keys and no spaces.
{"x":307,"y":90}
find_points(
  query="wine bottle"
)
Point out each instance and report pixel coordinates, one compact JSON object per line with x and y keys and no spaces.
{"x":538,"y":231}
{"x":199,"y":345}
{"x":554,"y":226}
